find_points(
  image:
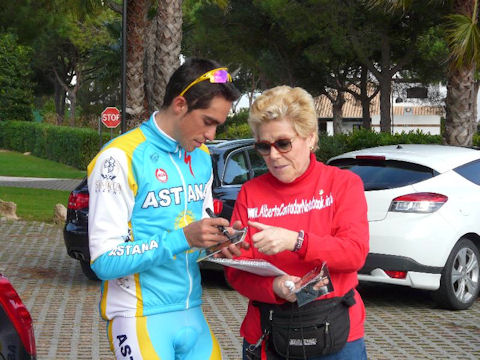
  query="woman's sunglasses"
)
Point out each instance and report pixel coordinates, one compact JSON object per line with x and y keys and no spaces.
{"x":282,"y":146}
{"x":217,"y":76}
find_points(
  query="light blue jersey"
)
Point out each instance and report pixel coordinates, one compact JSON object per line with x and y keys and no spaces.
{"x":144,"y":188}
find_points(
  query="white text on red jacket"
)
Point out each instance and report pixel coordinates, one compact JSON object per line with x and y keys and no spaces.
{"x":296,"y":208}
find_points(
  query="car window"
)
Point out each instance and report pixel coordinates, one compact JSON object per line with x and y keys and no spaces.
{"x":258,"y":164}
{"x":470,"y":171}
{"x":236,"y":169}
{"x":385,"y":174}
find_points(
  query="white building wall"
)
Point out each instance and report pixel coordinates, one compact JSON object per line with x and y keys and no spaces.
{"x":428,"y":124}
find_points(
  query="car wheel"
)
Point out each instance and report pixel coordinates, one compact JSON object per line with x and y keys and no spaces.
{"x":459,"y":284}
{"x":87,"y":270}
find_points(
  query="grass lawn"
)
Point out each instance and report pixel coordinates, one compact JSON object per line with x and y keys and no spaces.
{"x":34,"y":204}
{"x":17,"y":164}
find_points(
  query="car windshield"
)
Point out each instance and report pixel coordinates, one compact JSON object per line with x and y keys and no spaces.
{"x":385,"y":174}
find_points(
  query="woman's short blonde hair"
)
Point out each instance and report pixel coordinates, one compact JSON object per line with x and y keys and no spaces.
{"x":285,"y":102}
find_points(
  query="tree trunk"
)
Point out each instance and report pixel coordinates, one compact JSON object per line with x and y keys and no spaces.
{"x":365,"y":99}
{"x":337,"y":113}
{"x":385,"y":104}
{"x":59,"y":98}
{"x":72,"y":96}
{"x":136,"y":30}
{"x":163,"y":50}
{"x":460,"y":117}
{"x":73,"y":106}
{"x":366,"y":118}
{"x":385,"y":82}
{"x":460,"y":122}
{"x":476,"y":86}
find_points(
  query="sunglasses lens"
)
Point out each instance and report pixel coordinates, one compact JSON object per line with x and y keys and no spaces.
{"x":263,"y":148}
{"x":219,"y":77}
{"x":283,"y":145}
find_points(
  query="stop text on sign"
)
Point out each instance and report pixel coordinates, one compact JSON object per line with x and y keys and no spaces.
{"x":111,"y":117}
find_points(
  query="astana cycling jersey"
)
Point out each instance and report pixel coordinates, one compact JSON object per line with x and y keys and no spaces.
{"x":144,"y":188}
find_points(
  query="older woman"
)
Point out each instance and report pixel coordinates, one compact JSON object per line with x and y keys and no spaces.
{"x":300,"y":215}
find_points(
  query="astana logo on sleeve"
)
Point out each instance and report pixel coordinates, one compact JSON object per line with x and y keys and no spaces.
{"x":109,"y":169}
{"x":108,"y":173}
{"x":183,"y":219}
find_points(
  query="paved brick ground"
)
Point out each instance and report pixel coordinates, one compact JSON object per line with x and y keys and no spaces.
{"x":44,"y":183}
{"x":401,"y":323}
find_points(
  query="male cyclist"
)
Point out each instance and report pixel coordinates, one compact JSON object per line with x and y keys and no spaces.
{"x":149,"y":189}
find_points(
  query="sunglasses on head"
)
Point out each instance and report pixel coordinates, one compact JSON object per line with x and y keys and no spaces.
{"x":216,"y":76}
{"x":282,"y":146}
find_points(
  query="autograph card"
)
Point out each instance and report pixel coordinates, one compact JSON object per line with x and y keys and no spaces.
{"x":236,"y":238}
{"x":313,"y":284}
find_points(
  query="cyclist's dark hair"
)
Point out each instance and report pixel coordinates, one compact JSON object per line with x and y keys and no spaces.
{"x":201,"y":94}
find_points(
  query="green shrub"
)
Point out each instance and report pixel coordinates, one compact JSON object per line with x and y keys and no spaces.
{"x":235,"y":127}
{"x":235,"y":131}
{"x":476,"y":140}
{"x":70,"y":146}
{"x":329,"y":146}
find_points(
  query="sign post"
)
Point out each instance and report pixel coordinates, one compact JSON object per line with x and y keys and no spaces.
{"x":111,"y":118}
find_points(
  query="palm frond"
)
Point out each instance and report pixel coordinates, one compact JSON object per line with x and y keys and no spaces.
{"x":389,"y":6}
{"x":463,"y":37}
{"x":392,"y":6}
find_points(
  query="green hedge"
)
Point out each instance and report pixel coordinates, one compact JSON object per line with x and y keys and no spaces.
{"x":77,"y":146}
{"x":70,"y":146}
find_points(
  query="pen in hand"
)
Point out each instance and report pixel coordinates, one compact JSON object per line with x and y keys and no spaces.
{"x":220,"y":227}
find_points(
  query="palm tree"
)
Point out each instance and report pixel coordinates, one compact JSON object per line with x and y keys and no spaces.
{"x":153,"y":52}
{"x":164,"y":42}
{"x":463,"y":38}
{"x":464,"y":41}
{"x":153,"y":49}
{"x":137,"y":11}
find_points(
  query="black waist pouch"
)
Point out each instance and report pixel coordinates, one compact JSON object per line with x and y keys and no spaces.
{"x":317,"y":328}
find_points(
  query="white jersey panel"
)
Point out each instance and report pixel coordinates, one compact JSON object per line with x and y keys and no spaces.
{"x":108,"y":188}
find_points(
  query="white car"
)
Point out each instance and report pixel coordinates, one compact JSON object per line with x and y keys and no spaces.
{"x":424,"y":218}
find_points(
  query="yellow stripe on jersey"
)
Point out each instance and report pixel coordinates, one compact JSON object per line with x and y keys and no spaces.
{"x":128,"y":143}
{"x":110,"y":336}
{"x":145,"y":344}
{"x":138,"y":292}
{"x":103,"y":301}
{"x":216,"y":352}
{"x":204,"y":148}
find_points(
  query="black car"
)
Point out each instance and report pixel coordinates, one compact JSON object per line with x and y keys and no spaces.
{"x":17,"y":340}
{"x":234,"y":162}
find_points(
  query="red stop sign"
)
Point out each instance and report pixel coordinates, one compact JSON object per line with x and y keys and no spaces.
{"x":111,"y":117}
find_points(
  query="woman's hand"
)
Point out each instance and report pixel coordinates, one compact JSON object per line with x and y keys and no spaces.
{"x":282,"y":290}
{"x":271,"y":239}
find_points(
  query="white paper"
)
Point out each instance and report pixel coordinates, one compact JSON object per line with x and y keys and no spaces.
{"x":255,"y":266}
